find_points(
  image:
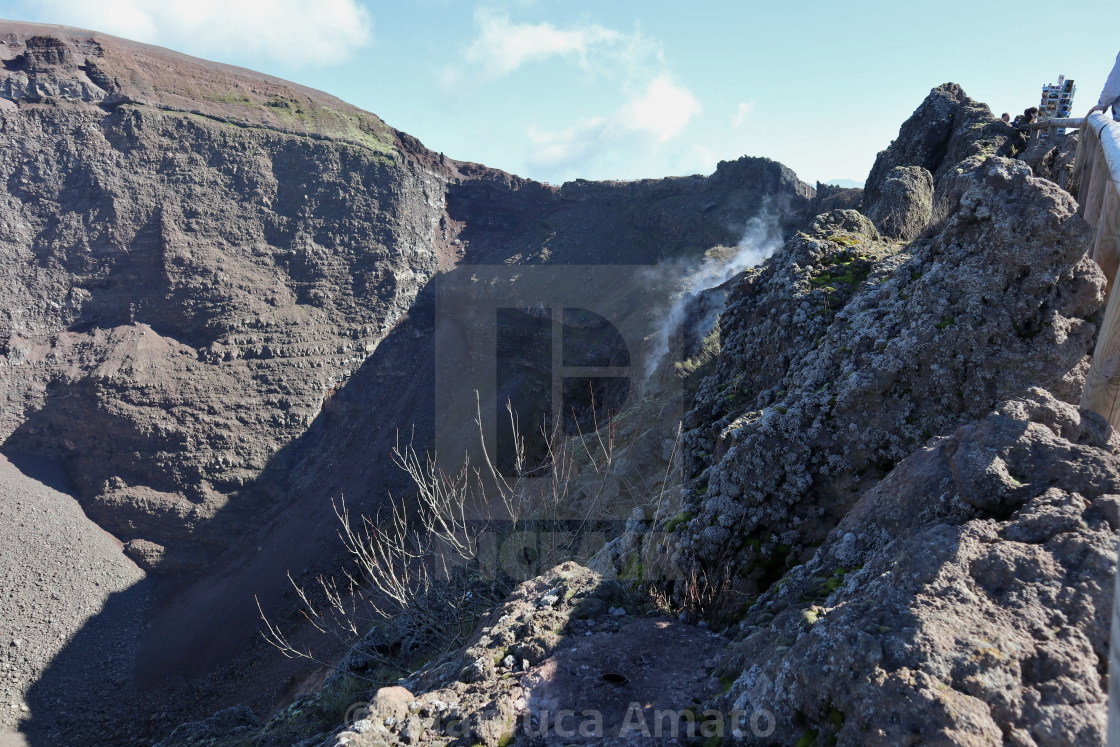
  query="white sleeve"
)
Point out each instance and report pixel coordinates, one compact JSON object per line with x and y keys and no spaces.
{"x":1111,"y":90}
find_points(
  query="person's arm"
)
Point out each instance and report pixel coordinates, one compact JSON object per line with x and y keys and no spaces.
{"x":1111,"y":91}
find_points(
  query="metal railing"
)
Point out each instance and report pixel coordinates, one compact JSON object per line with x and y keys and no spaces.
{"x":1053,"y":125}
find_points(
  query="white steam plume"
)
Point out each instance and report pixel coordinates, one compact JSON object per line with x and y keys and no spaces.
{"x":761,"y":238}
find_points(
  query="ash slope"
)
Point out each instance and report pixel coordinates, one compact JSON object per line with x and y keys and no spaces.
{"x":57,"y":572}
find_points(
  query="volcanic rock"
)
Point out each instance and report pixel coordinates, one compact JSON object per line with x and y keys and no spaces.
{"x":905,"y":202}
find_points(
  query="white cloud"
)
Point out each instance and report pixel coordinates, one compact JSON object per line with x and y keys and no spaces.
{"x":565,"y":146}
{"x":662,"y":111}
{"x":632,"y":108}
{"x":291,"y":33}
{"x":657,"y":115}
{"x":503,"y":46}
{"x":741,"y":113}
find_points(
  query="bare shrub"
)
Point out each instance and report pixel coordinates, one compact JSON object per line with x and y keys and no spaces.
{"x":422,"y":574}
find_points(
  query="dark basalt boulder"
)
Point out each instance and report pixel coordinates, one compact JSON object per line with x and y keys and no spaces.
{"x":1052,"y":158}
{"x":964,"y":600}
{"x":944,"y":130}
{"x":905,"y":202}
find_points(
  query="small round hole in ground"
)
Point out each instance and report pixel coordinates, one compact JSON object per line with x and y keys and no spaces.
{"x":615,"y":678}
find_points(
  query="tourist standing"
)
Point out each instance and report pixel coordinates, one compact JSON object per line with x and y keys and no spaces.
{"x":1110,"y":94}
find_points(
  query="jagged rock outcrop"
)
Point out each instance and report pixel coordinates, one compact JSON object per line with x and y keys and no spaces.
{"x":905,"y":203}
{"x":636,"y":222}
{"x":966,"y":599}
{"x":818,"y":394}
{"x":1052,"y":157}
{"x":947,"y":128}
{"x":829,"y":197}
{"x":44,"y":71}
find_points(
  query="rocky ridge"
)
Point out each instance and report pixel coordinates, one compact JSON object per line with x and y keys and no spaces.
{"x":1004,"y":279}
{"x":903,"y":523}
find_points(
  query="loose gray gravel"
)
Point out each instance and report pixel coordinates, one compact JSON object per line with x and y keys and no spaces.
{"x":71,"y":606}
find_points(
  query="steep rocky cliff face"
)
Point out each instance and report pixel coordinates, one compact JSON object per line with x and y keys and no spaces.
{"x":182,"y":294}
{"x":218,"y":307}
{"x":198,"y":256}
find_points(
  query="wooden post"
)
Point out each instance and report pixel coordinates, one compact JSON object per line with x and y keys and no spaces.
{"x":1106,"y":246}
{"x":1102,"y":383}
{"x":1092,"y":193}
{"x":1083,"y":165}
{"x":1083,"y":162}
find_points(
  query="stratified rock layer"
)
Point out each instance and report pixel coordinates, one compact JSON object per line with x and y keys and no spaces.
{"x":197,"y":258}
{"x":182,"y":296}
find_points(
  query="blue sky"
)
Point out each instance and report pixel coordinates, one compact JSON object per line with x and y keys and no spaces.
{"x":561,"y":89}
